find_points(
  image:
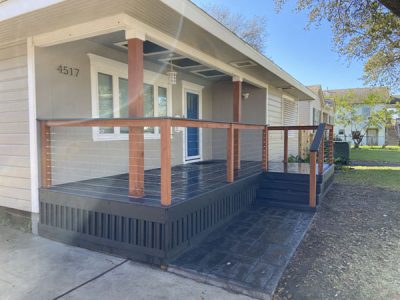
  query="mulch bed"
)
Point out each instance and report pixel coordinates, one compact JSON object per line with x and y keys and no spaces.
{"x":352,"y":249}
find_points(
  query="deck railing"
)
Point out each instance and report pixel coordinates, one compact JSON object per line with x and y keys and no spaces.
{"x":317,"y":149}
{"x":136,"y":148}
{"x":136,"y":159}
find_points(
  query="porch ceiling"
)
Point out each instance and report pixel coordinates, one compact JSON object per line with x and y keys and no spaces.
{"x":165,"y":16}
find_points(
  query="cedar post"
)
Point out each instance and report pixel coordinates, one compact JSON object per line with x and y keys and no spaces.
{"x":265,"y":149}
{"x":45,"y":156}
{"x":230,"y":154}
{"x":321,"y":156}
{"x":313,"y":180}
{"x":237,"y":116}
{"x":166,"y":162}
{"x":330,"y":152}
{"x":286,"y":146}
{"x":136,"y":110}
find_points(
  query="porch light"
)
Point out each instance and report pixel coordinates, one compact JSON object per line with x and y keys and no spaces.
{"x":171,"y":74}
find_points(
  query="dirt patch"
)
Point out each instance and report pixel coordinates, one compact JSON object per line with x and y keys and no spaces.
{"x":352,"y":249}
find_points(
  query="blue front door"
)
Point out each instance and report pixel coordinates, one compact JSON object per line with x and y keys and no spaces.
{"x":192,"y":134}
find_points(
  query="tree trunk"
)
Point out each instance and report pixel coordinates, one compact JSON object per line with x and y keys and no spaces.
{"x":392,"y":5}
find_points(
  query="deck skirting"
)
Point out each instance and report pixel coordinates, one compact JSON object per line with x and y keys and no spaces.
{"x":135,"y":230}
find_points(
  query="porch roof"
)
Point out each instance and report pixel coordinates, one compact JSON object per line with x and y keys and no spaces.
{"x":179,"y":19}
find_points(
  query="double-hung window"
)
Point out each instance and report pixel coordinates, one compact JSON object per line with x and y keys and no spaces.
{"x":109,"y":81}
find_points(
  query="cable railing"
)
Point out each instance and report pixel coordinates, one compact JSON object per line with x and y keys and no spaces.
{"x":150,"y":168}
{"x":317,"y":149}
{"x":153,"y":167}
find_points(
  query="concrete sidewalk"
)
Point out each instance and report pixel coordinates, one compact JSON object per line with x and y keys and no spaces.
{"x":35,"y":268}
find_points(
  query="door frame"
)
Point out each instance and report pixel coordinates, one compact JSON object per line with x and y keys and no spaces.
{"x":198,"y":90}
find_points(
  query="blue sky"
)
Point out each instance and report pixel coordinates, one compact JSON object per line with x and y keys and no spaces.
{"x":305,"y":54}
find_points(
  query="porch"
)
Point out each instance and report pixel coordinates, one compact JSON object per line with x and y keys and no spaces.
{"x":179,"y":204}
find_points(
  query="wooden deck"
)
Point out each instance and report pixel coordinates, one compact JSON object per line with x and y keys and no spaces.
{"x":188,"y":181}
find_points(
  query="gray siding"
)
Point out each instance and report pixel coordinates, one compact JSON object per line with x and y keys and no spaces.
{"x":276,"y":118}
{"x":75,"y":155}
{"x":14,"y":129}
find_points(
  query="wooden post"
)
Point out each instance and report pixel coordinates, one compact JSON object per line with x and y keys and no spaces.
{"x":237,"y":116}
{"x":136,"y":110}
{"x":286,"y":146}
{"x":166,"y":162}
{"x":265,"y":149}
{"x":313,"y":180}
{"x":330,"y":152}
{"x":45,"y":156}
{"x":321,"y":157}
{"x":230,"y":154}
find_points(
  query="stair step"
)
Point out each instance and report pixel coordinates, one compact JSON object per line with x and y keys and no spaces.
{"x":287,"y":205}
{"x":286,"y":186}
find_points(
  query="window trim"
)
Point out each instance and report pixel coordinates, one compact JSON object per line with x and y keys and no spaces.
{"x":116,"y":69}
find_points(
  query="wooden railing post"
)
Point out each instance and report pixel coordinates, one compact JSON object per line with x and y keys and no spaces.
{"x":45,"y":156}
{"x":330,"y":151}
{"x":230,"y":154}
{"x":265,"y":149}
{"x":165,"y":162}
{"x":313,"y":180}
{"x":286,"y":146}
{"x":321,"y":157}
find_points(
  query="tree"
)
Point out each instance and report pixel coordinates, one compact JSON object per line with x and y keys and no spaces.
{"x":348,"y":114}
{"x":251,"y":30}
{"x":364,"y":30}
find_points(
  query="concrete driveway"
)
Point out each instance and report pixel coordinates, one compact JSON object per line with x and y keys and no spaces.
{"x":35,"y":268}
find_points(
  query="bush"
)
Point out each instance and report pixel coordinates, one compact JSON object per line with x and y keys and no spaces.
{"x":298,"y":159}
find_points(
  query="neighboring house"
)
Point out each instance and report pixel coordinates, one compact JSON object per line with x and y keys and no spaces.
{"x":373,"y":135}
{"x":314,"y":112}
{"x":94,"y":182}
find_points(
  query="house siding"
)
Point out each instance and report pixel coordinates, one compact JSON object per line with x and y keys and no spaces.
{"x":60,"y":96}
{"x":276,"y":117}
{"x":14,"y":129}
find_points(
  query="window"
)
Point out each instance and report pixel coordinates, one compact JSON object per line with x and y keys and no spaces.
{"x":110,"y":97}
{"x":316,"y":116}
{"x":289,"y":115}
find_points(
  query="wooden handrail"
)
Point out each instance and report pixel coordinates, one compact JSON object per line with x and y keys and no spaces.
{"x":301,"y":127}
{"x":147,"y":122}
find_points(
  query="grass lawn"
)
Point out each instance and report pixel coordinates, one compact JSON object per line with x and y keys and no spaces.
{"x":391,"y":154}
{"x":385,"y":177}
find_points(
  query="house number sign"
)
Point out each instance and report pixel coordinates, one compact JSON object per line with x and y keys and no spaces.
{"x":68,"y":71}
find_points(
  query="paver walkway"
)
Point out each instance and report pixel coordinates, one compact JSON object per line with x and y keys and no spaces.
{"x":248,"y":254}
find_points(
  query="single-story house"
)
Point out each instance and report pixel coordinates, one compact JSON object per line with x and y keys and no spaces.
{"x":139,"y":126}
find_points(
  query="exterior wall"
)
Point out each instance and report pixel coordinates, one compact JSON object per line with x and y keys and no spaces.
{"x":253,"y":111}
{"x":305,"y":113}
{"x":61,"y":96}
{"x":276,"y":118}
{"x":14,"y":129}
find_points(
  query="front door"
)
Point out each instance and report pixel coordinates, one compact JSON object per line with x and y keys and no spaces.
{"x":192,"y":133}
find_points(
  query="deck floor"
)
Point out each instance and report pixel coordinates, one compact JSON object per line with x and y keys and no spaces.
{"x":188,"y":181}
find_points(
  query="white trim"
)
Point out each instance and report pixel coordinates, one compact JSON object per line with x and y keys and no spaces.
{"x":195,"y":89}
{"x":116,"y":69}
{"x":33,"y":144}
{"x":169,"y":60}
{"x":125,"y":22}
{"x":197,"y":72}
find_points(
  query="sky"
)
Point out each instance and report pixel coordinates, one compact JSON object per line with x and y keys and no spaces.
{"x":306,"y":54}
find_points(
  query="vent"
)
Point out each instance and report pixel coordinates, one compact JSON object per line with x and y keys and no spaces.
{"x":209,"y":73}
{"x":243,"y":64}
{"x":149,"y":48}
{"x":181,"y":62}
